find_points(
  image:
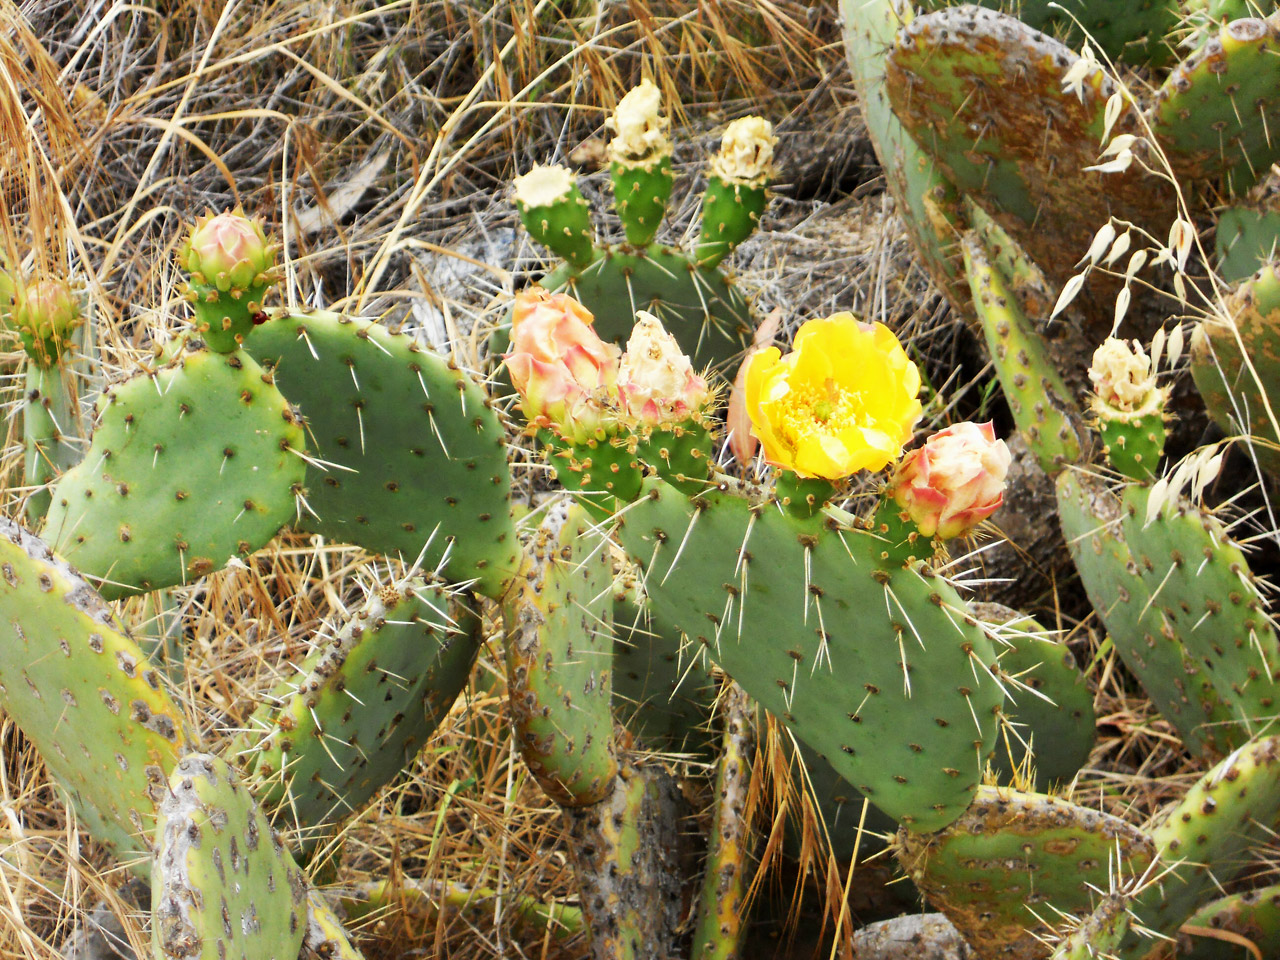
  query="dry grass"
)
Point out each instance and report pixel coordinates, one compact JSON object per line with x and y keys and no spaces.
{"x":377,"y":140}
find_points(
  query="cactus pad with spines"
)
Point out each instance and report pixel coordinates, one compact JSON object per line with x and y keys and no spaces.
{"x":1043,"y":408}
{"x":1253,"y":915}
{"x":223,"y":887}
{"x":1098,"y":934}
{"x":362,"y":704}
{"x":974,"y":87}
{"x":416,"y":453}
{"x":190,"y":465}
{"x":1014,"y":860}
{"x":1206,"y":837}
{"x":84,"y":694}
{"x":1059,"y":729}
{"x":914,"y":730}
{"x":700,"y":306}
{"x":1246,"y":238}
{"x":1215,"y":114}
{"x":1092,"y":519}
{"x":49,"y":431}
{"x":1241,"y":390}
{"x":559,"y":637}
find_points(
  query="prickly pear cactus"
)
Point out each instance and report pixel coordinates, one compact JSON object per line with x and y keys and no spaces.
{"x":84,"y":694}
{"x":362,"y":705}
{"x":406,"y":452}
{"x":913,"y":732}
{"x":223,"y":886}
{"x":190,"y":465}
{"x":1015,"y":861}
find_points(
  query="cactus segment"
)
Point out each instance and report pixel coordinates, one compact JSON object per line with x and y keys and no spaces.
{"x":1134,"y":446}
{"x":362,"y":705}
{"x":928,"y":724}
{"x":222,"y":885}
{"x":48,"y":428}
{"x":718,"y":935}
{"x":1098,"y":934}
{"x":556,"y":214}
{"x":700,"y":306}
{"x":1254,"y":915}
{"x":663,"y":694}
{"x":622,"y":849}
{"x":189,"y":466}
{"x":1245,"y":240}
{"x":1015,"y":861}
{"x":325,"y":936}
{"x":1206,"y":836}
{"x":1200,"y":584}
{"x":1059,"y":731}
{"x":1043,"y":408}
{"x":1215,"y":112}
{"x":840,"y":807}
{"x":730,"y":212}
{"x":1237,"y":391}
{"x":640,"y":194}
{"x":84,"y":694}
{"x":559,"y":635}
{"x":415,"y":455}
{"x":1136,"y":33}
{"x":973,"y":87}
{"x":927,"y":199}
{"x":1092,"y":519}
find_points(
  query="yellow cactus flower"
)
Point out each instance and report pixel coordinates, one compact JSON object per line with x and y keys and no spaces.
{"x":843,"y":400}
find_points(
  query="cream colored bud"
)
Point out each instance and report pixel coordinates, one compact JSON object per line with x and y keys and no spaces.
{"x":1121,"y":375}
{"x":640,"y":127}
{"x":746,"y":152}
{"x":656,"y":378}
{"x":543,"y":185}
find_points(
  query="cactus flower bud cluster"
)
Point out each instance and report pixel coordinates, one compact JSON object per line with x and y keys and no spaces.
{"x":231,"y":265}
{"x":44,"y":315}
{"x":953,"y":482}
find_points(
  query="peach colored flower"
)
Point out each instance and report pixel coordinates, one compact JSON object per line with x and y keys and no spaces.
{"x":843,"y":400}
{"x":954,"y":482}
{"x":565,"y":374}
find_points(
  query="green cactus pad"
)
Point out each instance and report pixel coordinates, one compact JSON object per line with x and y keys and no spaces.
{"x":640,"y":194}
{"x":362,"y":704}
{"x":1178,"y":682}
{"x":928,"y":202}
{"x":1254,"y":915}
{"x":84,"y":694}
{"x":1133,"y":445}
{"x":1205,"y":837}
{"x":1247,"y":237}
{"x":559,"y":217}
{"x":700,"y":306}
{"x":49,"y":432}
{"x":730,"y":213}
{"x":663,"y":693}
{"x":1098,"y":934}
{"x":559,"y":636}
{"x":1200,"y":583}
{"x":975,"y":88}
{"x":839,"y":804}
{"x":1060,"y":729}
{"x":1215,"y":114}
{"x":910,"y":735}
{"x":417,"y":454}
{"x":1043,"y":408}
{"x":222,"y":886}
{"x":1015,"y":861}
{"x":1240,"y":395}
{"x":1137,"y":33}
{"x":190,"y":465}
{"x":326,"y":937}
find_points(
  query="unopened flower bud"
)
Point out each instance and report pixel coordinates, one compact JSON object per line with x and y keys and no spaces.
{"x":656,"y":380}
{"x":228,"y":251}
{"x":746,"y":152}
{"x":1122,"y":378}
{"x":44,"y":315}
{"x":640,"y":127}
{"x":953,"y":482}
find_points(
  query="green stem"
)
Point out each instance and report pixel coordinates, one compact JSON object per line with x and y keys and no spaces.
{"x":47,"y":423}
{"x":900,"y":538}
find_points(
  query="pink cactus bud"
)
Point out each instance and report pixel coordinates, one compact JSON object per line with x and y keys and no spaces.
{"x":656,"y":380}
{"x":228,"y":251}
{"x":565,"y":374}
{"x":954,"y":482}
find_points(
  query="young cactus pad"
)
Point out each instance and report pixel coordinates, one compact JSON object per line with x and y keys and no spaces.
{"x":559,"y":637}
{"x":362,"y":704}
{"x":1254,"y":915}
{"x":189,"y":466}
{"x":885,"y":674}
{"x":222,"y":886}
{"x":1015,"y":860}
{"x":84,"y":694}
{"x":408,"y":450}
